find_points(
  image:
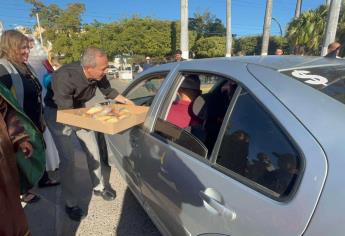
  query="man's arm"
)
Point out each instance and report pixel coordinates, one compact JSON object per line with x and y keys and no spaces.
{"x":111,"y":93}
{"x":63,"y":89}
{"x":106,"y":89}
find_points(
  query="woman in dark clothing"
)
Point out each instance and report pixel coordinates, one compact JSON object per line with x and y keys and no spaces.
{"x":16,"y":75}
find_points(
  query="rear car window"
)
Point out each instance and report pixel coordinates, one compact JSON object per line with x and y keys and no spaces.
{"x":330,"y":80}
{"x":257,"y":152}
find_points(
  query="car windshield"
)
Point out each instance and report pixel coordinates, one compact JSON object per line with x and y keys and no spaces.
{"x":328,"y":79}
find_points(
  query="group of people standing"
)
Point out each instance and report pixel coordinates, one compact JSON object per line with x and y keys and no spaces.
{"x":23,"y":120}
{"x":333,"y":50}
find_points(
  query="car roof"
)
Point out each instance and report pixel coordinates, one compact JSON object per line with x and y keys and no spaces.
{"x":286,"y":62}
{"x":274,"y":62}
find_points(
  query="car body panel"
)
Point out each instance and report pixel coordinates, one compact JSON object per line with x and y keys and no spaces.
{"x":171,"y":179}
{"x":323,"y":119}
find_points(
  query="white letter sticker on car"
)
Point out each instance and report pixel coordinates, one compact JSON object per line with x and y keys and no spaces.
{"x":310,"y":79}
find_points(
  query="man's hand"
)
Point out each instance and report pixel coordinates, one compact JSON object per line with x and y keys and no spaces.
{"x":128,"y":102}
{"x":123,"y":100}
{"x":26,"y":148}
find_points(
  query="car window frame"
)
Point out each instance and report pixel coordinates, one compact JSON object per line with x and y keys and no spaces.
{"x":166,"y":105}
{"x":247,"y":182}
{"x":136,"y":82}
{"x":211,"y":160}
{"x":141,"y":79}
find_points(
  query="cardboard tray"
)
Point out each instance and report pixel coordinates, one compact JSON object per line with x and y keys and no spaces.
{"x":74,"y":117}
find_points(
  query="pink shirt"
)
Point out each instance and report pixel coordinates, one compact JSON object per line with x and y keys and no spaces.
{"x":180,"y":114}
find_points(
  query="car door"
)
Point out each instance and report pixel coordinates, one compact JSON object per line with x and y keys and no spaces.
{"x":123,"y":153}
{"x":264,"y":176}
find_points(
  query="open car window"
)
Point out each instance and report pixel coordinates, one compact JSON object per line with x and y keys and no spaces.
{"x":143,"y":92}
{"x":196,"y":110}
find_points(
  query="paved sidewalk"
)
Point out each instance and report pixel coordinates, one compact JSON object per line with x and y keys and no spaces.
{"x":123,"y":216}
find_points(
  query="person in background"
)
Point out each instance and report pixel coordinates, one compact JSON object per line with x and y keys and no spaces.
{"x":180,"y":112}
{"x":55,"y":62}
{"x":71,"y":87}
{"x":240,"y":54}
{"x":333,"y":50}
{"x":299,"y":50}
{"x":19,"y":77}
{"x":279,"y":52}
{"x":147,"y":64}
{"x":178,"y":56}
{"x":41,"y":66}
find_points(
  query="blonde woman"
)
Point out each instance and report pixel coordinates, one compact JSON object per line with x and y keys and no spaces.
{"x":17,"y":76}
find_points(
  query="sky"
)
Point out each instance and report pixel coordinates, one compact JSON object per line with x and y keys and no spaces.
{"x":247,"y":15}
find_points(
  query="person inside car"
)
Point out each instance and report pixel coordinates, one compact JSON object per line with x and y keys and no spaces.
{"x":181,"y":113}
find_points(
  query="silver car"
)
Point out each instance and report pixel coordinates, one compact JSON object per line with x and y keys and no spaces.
{"x":267,"y":157}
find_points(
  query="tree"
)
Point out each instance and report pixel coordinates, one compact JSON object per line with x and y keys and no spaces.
{"x":62,"y":27}
{"x":251,"y":45}
{"x":308,"y":30}
{"x":210,"y":47}
{"x":206,"y":25}
{"x":247,"y":45}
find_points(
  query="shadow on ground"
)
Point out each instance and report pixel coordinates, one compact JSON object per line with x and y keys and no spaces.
{"x":47,"y":216}
{"x":133,"y":219}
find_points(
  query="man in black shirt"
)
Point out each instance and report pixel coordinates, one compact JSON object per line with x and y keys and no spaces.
{"x":71,"y":87}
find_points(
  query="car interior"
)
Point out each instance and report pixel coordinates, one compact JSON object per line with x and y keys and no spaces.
{"x":210,"y":108}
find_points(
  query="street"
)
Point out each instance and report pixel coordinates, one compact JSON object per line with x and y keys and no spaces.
{"x":123,"y":216}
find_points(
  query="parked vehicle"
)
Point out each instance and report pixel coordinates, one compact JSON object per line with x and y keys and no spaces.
{"x":112,"y":70}
{"x":126,"y":73}
{"x":267,"y":159}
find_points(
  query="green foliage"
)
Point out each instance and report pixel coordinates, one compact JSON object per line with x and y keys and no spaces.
{"x":210,"y":47}
{"x":308,"y":30}
{"x":206,"y":25}
{"x":248,"y":45}
{"x":133,"y":36}
{"x":251,"y":45}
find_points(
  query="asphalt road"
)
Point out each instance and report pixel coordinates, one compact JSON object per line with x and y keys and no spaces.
{"x":123,"y":216}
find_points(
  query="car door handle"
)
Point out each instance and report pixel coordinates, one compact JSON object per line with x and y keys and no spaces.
{"x":217,"y":206}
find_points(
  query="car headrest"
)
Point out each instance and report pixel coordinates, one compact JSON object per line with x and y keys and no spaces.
{"x":199,"y":107}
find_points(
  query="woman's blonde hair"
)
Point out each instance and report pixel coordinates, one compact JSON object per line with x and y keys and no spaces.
{"x":10,"y":44}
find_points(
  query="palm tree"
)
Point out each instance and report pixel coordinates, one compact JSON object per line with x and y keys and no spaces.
{"x":298,"y":8}
{"x":308,"y":30}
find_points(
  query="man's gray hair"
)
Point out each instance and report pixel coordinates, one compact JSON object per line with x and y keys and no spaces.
{"x":89,"y":56}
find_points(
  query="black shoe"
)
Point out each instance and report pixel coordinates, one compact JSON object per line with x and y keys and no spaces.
{"x":75,"y":213}
{"x":105,"y":194}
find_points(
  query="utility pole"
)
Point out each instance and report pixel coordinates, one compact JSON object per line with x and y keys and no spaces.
{"x":332,"y":23}
{"x":228,"y":29}
{"x":298,"y":8}
{"x":267,"y":27}
{"x":184,"y":29}
{"x":38,"y":25}
{"x":2,"y":28}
